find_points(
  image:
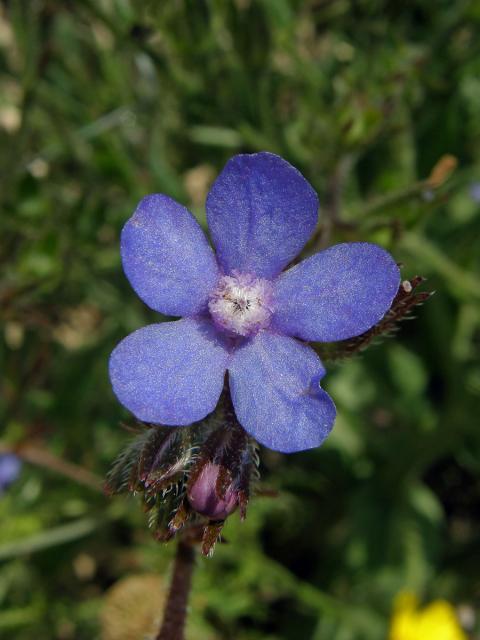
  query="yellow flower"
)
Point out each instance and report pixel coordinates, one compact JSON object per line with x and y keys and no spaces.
{"x":436,"y":621}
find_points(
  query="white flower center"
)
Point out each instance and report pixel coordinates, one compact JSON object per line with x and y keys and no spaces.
{"x":241,"y":304}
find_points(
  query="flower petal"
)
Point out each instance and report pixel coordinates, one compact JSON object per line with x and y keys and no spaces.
{"x":170,"y":373}
{"x":337,"y":293}
{"x":167,"y":258}
{"x":275,"y":389}
{"x":261,"y":211}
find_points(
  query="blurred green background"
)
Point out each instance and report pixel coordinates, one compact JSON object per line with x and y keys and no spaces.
{"x":104,"y":101}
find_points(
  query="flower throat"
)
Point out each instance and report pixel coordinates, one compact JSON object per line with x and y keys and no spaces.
{"x":241,"y":304}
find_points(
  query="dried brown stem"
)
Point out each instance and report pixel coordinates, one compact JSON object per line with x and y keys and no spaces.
{"x":43,"y":458}
{"x":175,"y":614}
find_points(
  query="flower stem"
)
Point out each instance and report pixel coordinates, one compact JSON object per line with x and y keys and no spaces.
{"x":175,"y":614}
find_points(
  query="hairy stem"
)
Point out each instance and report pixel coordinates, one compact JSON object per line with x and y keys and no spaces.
{"x":175,"y":615}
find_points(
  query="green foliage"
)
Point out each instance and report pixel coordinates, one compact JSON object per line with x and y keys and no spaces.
{"x":103,"y":101}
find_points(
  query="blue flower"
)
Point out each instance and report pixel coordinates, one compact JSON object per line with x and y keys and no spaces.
{"x":240,"y":312}
{"x":10,"y":467}
{"x":475,"y":191}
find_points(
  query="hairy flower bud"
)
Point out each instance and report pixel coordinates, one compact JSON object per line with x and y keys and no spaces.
{"x":190,"y":479}
{"x":203,"y":494}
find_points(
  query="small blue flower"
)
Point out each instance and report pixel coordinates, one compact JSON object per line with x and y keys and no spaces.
{"x":240,"y":313}
{"x":475,"y":191}
{"x":10,"y":467}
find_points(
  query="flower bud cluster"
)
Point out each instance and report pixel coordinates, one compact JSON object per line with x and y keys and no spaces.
{"x":191,"y":479}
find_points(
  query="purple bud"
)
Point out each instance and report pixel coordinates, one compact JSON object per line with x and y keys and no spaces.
{"x":9,"y":470}
{"x":204,"y":498}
